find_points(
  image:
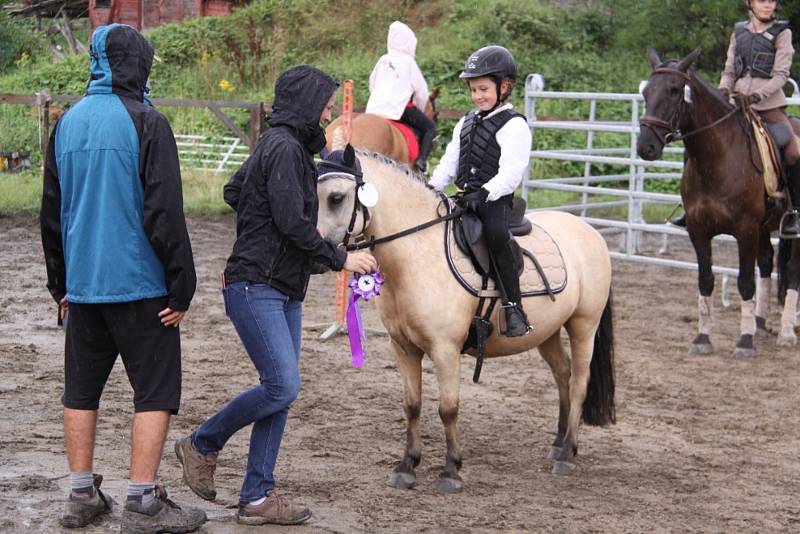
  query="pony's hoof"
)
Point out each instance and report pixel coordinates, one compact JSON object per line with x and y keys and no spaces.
{"x":701,"y":344}
{"x":787,"y":340}
{"x":700,"y":349}
{"x":744,"y":352}
{"x":402,"y":480}
{"x":448,"y":485}
{"x":554,"y":453}
{"x":564,"y":468}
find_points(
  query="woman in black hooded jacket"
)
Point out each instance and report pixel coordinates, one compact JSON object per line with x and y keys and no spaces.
{"x":275,"y":198}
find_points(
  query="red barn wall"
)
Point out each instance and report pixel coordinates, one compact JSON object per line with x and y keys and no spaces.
{"x":142,"y":14}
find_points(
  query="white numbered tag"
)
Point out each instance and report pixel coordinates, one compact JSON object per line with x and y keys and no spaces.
{"x":687,"y":94}
{"x":368,"y":195}
{"x":366,"y":283}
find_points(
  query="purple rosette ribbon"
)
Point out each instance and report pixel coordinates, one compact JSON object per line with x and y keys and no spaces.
{"x":362,"y":286}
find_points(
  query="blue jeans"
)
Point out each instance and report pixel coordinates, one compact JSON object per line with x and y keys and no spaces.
{"x":269,"y":325}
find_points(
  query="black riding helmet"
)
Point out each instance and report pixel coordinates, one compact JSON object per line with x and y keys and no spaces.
{"x":495,"y":61}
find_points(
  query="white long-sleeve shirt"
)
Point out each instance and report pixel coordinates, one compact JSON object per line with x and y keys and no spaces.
{"x":396,"y":77}
{"x":515,"y":141}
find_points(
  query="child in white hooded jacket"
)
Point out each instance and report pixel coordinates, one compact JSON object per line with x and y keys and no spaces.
{"x":398,"y":90}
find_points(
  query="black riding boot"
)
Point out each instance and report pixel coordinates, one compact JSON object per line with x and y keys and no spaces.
{"x":516,"y":320}
{"x":680,"y":222}
{"x":790,"y":223}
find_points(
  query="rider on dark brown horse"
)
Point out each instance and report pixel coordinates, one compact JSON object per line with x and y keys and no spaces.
{"x":757,"y":67}
{"x":488,"y":156}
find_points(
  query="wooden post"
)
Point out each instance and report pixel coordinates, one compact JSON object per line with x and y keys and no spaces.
{"x":256,"y":124}
{"x":45,"y":108}
{"x":341,"y":279}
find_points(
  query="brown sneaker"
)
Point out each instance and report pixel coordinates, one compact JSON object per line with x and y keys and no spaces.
{"x":198,"y":468}
{"x":275,"y":509}
{"x":80,"y":509}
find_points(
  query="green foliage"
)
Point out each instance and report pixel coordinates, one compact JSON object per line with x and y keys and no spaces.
{"x":19,"y":44}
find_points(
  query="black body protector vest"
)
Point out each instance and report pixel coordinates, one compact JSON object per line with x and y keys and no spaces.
{"x":479,"y":153}
{"x":755,"y":52}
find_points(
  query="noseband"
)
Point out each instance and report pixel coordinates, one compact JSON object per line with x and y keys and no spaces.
{"x":671,"y":128}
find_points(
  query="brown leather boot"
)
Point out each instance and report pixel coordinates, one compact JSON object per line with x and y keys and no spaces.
{"x":198,"y":468}
{"x":276,"y":509}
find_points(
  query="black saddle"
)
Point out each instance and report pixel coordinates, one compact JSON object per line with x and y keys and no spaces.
{"x":471,"y":241}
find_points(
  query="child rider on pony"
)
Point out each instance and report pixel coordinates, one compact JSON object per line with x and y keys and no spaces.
{"x":488,"y":157}
{"x":398,"y":90}
{"x":757,"y":67}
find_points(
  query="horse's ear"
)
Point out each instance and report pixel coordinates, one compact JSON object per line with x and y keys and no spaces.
{"x":349,"y":156}
{"x":687,"y":62}
{"x":652,"y":56}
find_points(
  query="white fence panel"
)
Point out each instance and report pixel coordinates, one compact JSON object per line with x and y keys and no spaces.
{"x":212,"y":154}
{"x":633,"y":172}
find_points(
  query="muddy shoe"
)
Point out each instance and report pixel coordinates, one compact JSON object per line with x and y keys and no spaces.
{"x":161,"y":515}
{"x":198,"y":468}
{"x":276,"y":509}
{"x":80,"y":509}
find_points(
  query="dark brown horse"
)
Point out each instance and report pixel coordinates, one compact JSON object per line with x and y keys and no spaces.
{"x":723,"y":192}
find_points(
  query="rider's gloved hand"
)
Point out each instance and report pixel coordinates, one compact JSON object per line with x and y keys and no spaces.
{"x":473,"y":199}
{"x":754,"y":98}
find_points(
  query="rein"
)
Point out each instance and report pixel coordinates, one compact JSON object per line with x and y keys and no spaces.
{"x":370,"y":243}
{"x":673,"y":130}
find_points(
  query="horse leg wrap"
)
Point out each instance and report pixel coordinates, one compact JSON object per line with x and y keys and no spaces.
{"x":789,"y":316}
{"x":748,"y":321}
{"x":763,"y":292}
{"x":705,"y":320}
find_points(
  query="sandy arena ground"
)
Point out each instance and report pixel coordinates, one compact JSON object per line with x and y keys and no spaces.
{"x":702,"y":443}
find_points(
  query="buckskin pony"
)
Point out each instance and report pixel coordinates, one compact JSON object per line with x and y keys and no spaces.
{"x":426,"y":311}
{"x":723,"y":192}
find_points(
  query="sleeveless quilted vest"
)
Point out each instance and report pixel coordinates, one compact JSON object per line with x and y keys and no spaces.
{"x":479,"y":154}
{"x":755,"y":52}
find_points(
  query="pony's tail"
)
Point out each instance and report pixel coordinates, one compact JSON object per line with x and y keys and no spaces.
{"x":784,"y":254}
{"x":598,"y":408}
{"x":338,"y":142}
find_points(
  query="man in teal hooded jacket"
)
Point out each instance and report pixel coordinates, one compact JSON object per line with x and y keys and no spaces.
{"x":119,"y":260}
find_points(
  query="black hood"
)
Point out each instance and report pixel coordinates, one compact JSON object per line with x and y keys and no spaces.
{"x":121,"y":61}
{"x":301,"y":94}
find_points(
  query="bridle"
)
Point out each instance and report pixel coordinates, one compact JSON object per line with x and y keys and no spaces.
{"x":357,"y":177}
{"x":671,"y":128}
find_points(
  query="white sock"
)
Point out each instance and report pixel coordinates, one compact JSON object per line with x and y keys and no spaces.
{"x":258,"y":501}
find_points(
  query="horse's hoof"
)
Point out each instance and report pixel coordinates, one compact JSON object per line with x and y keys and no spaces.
{"x":554,"y":453}
{"x":787,"y":340}
{"x":761,"y":327}
{"x":402,"y":480}
{"x":564,"y":468}
{"x":448,"y":485}
{"x":700,"y":349}
{"x":744,"y":352}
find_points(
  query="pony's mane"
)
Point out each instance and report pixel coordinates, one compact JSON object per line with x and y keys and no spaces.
{"x":395,"y":165}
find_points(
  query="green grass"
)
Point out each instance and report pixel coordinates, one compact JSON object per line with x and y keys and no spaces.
{"x":21,"y":193}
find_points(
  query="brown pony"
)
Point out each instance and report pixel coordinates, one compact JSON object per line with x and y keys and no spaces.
{"x":723,"y":192}
{"x":376,"y":134}
{"x":426,"y":311}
